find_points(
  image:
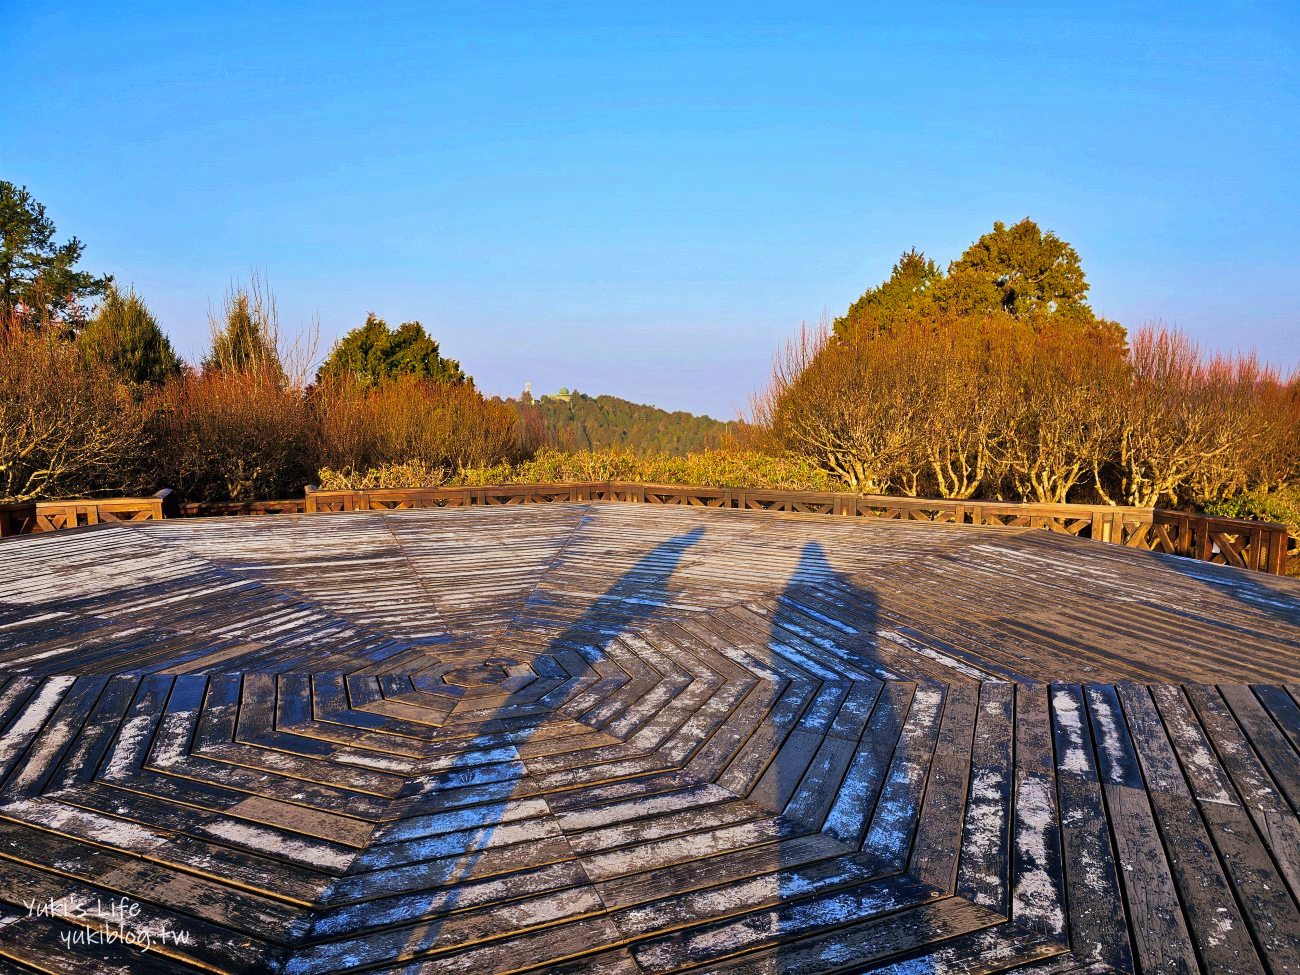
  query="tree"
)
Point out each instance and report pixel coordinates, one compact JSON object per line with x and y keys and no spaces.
{"x":1034,"y":277}
{"x":1021,"y":270}
{"x":64,"y":430}
{"x":40,"y":285}
{"x":124,"y":337}
{"x":246,"y":333}
{"x":850,"y":407}
{"x":904,"y":294}
{"x":374,"y":353}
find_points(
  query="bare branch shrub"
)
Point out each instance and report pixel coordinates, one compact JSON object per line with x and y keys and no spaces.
{"x":66,"y":428}
{"x":966,"y":395}
{"x":1169,"y":420}
{"x":1058,"y":422}
{"x":1257,"y":415}
{"x":986,"y":406}
{"x":851,"y":407}
{"x":409,"y":419}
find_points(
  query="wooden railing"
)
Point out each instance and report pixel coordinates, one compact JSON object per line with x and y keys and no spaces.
{"x":1255,"y":545}
{"x":228,"y":509}
{"x":17,"y":518}
{"x":1260,"y":546}
{"x":53,"y":515}
{"x":393,"y":499}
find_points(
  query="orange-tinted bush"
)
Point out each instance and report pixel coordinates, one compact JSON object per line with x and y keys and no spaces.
{"x":988,"y":406}
{"x":850,"y":407}
{"x":232,"y":435}
{"x":408,"y":419}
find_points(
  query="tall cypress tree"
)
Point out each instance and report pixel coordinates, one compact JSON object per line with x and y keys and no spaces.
{"x":244,"y":336}
{"x":125,"y":337}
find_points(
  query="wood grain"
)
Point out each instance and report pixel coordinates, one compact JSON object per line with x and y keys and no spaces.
{"x":623,"y":738}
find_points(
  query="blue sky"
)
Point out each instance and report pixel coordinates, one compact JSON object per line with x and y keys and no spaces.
{"x":645,"y":199}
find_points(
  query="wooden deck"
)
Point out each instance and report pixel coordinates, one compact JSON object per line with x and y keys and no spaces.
{"x":627,"y":739}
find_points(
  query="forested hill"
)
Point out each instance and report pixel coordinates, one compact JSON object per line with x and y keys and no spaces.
{"x":575,"y":421}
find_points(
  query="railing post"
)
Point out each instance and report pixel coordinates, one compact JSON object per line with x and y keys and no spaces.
{"x":167,"y":504}
{"x":1096,"y":530}
{"x":1276,"y":560}
{"x":1204,"y":544}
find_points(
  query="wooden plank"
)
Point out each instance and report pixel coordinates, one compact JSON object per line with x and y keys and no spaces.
{"x":1273,"y":920}
{"x":983,"y":870}
{"x":1222,"y":939}
{"x":1037,"y":891}
{"x":1274,"y":747}
{"x":1156,"y":923}
{"x":893,"y":821}
{"x":938,"y":833}
{"x":1098,"y":927}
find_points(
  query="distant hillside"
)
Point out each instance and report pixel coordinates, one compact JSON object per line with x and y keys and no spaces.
{"x":575,"y":421}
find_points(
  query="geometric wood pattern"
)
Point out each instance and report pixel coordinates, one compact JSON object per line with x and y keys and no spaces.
{"x":601,"y":738}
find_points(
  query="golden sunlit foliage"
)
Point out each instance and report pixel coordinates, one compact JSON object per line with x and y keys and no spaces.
{"x":66,"y":427}
{"x":708,"y":468}
{"x":963,"y":406}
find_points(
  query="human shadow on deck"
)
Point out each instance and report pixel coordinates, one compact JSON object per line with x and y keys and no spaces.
{"x":489,"y":787}
{"x":848,"y":803}
{"x":636,"y":595}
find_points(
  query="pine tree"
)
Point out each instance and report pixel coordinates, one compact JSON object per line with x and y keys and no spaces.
{"x":40,"y":285}
{"x":907,"y":290}
{"x":1021,"y":270}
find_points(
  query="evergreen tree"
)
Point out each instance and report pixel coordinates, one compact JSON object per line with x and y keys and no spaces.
{"x":40,"y":285}
{"x":244,"y":337}
{"x":374,"y":352}
{"x":1021,"y":270}
{"x":124,"y":336}
{"x":905,"y":292}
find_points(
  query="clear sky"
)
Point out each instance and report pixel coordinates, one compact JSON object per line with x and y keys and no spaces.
{"x":645,"y":199}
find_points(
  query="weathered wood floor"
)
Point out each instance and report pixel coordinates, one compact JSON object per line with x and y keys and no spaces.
{"x":620,"y":739}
